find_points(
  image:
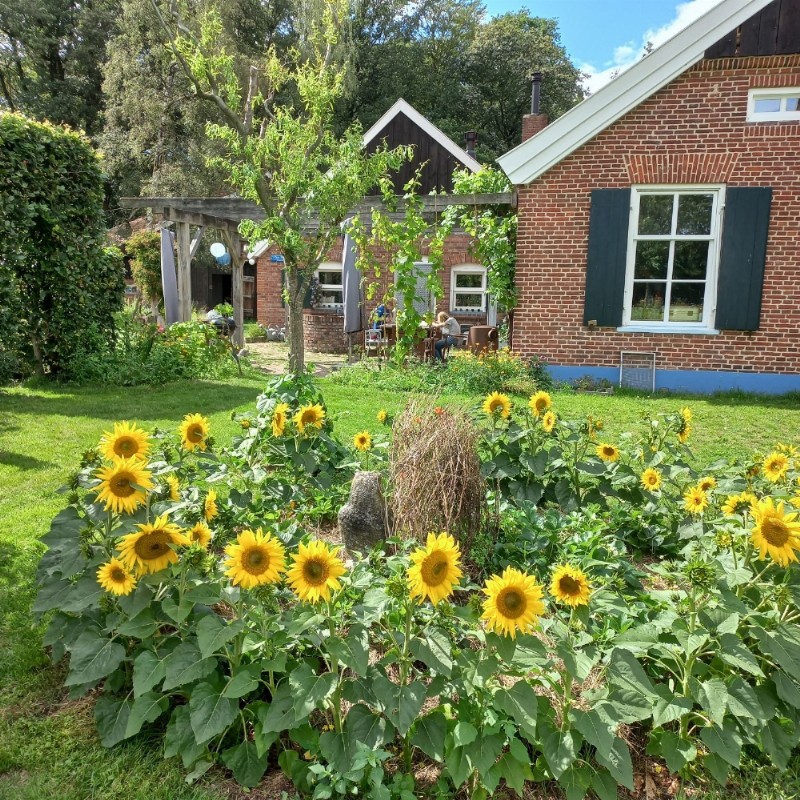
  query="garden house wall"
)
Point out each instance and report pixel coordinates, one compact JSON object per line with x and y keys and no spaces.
{"x":574,"y":235}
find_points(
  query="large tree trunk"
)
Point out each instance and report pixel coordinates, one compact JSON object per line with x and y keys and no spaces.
{"x":297,"y":290}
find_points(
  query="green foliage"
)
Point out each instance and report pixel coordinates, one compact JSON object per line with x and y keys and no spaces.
{"x":144,"y":248}
{"x":144,"y":353}
{"x":493,"y":228}
{"x":403,"y":241}
{"x":53,"y":53}
{"x":279,"y":146}
{"x":57,"y":277}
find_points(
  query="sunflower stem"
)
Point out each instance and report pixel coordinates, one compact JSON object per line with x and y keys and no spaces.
{"x":336,"y":700}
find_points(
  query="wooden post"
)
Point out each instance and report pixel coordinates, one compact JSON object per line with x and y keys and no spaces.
{"x":184,"y":271}
{"x":237,"y":267}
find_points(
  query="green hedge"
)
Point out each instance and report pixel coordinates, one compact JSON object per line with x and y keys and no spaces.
{"x":57,"y":277}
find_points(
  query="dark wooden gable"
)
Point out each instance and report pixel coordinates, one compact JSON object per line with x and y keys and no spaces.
{"x":775,"y":30}
{"x":438,"y":171}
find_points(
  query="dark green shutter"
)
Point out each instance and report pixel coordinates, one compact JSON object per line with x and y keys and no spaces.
{"x":743,"y":252}
{"x":606,"y":259}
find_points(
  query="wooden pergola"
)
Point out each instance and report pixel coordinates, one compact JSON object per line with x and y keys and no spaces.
{"x":226,"y":213}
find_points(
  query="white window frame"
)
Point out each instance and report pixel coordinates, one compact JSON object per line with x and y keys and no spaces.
{"x":330,"y":266}
{"x":782,"y":95}
{"x":706,"y":323}
{"x":468,"y":269}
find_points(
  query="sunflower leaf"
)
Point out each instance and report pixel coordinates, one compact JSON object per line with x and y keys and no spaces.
{"x":213,"y":632}
{"x":433,"y":649}
{"x":111,"y":717}
{"x":185,"y":664}
{"x":245,"y":763}
{"x":148,"y":671}
{"x":146,"y":708}
{"x":210,"y":713}
{"x":93,"y":657}
{"x":429,"y":735}
{"x":310,"y":690}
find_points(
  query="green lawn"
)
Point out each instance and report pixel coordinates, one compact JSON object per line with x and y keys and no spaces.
{"x":47,"y":743}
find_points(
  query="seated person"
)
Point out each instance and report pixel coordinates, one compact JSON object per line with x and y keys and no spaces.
{"x":449,"y":329}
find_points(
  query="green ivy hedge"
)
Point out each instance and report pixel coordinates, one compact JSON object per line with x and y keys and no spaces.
{"x":57,"y":276}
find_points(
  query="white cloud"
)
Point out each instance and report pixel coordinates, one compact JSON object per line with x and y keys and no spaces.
{"x":629,"y":53}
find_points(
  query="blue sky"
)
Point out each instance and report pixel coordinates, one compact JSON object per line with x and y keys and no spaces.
{"x":602,"y":36}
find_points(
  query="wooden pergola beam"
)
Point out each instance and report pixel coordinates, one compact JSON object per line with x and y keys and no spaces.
{"x":226,"y":212}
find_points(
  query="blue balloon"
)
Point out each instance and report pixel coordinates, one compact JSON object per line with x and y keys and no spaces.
{"x":224,"y":259}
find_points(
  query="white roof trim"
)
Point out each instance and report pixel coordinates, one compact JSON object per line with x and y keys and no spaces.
{"x":444,"y":140}
{"x":257,"y":249}
{"x":534,"y":157}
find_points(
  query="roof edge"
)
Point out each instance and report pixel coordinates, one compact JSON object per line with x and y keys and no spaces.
{"x":402,"y":106}
{"x":533,"y":157}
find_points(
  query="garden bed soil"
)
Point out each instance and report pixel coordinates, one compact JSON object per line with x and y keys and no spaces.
{"x":273,"y":358}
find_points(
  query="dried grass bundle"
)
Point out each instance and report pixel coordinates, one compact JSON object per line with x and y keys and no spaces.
{"x":435,"y":473}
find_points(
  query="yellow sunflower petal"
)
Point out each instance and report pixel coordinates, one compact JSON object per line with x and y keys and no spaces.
{"x":254,"y":559}
{"x":435,"y":568}
{"x":315,"y":572}
{"x":124,"y":485}
{"x":125,"y":441}
{"x":513,"y":602}
{"x":570,"y":585}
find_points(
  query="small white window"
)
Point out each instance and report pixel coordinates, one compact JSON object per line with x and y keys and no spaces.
{"x":468,"y":288}
{"x":773,"y":105}
{"x":329,"y":288}
{"x":673,"y":251}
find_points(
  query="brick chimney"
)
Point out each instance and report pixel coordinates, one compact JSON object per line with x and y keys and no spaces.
{"x":534,"y":122}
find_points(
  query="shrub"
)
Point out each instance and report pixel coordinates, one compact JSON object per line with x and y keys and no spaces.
{"x":57,"y":279}
{"x":144,"y":248}
{"x":143,"y":353}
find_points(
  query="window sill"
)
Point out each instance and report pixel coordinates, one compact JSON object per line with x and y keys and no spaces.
{"x":681,"y":329}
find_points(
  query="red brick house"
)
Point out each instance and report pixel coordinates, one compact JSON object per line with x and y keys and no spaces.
{"x":661,"y":216}
{"x":464,"y":280}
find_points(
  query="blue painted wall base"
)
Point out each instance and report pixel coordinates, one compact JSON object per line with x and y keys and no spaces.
{"x":691,"y":381}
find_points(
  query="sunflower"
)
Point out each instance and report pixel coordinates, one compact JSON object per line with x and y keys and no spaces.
{"x":279,"y":419}
{"x":686,"y":414}
{"x":362,"y":441}
{"x":244,"y":423}
{"x":548,"y":421}
{"x":497,"y":403}
{"x":174,"y":488}
{"x":200,"y":534}
{"x":607,"y":452}
{"x":382,"y":416}
{"x":310,"y":416}
{"x":695,"y":500}
{"x":776,"y":533}
{"x":651,"y":479}
{"x":775,"y":466}
{"x":151,"y":548}
{"x":570,"y":585}
{"x":684,"y":431}
{"x":254,"y":559}
{"x":194,"y":432}
{"x":124,"y":485}
{"x":513,"y":602}
{"x":210,"y":509}
{"x":435,"y":568}
{"x":707,"y":483}
{"x":125,"y":441}
{"x":114,"y":578}
{"x":743,"y":503}
{"x":539,"y":403}
{"x":316,"y":570}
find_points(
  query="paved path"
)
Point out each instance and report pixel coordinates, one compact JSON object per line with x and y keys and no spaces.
{"x":273,"y":357}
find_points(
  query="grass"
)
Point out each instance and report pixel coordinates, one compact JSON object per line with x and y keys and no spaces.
{"x":47,"y":743}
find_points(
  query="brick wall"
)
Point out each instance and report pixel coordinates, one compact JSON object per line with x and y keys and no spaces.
{"x":692,"y":131}
{"x":323,"y":327}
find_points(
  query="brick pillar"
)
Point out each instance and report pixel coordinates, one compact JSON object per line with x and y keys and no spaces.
{"x":532,"y":124}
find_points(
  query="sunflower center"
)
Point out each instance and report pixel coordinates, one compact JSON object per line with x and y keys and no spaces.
{"x":152,"y":545}
{"x":434,"y":569}
{"x":255,"y":561}
{"x":541,"y":405}
{"x":495,"y":405}
{"x":121,"y":485}
{"x":775,"y":532}
{"x":195,"y":433}
{"x":609,"y":451}
{"x":315,"y":572}
{"x":125,"y":446}
{"x":308,"y":417}
{"x":511,"y":603}
{"x":569,"y":585}
{"x":118,"y":575}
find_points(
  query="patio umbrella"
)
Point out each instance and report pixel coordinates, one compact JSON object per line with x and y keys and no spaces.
{"x":169,"y":280}
{"x":351,"y":287}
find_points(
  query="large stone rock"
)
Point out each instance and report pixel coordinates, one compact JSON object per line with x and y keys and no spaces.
{"x":362,"y":520}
